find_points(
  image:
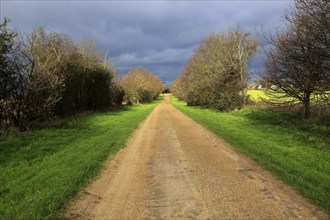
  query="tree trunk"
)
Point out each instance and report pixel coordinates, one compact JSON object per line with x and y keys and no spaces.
{"x":307,"y":105}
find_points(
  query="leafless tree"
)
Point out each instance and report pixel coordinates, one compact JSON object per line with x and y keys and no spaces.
{"x":216,"y":74}
{"x":53,"y":76}
{"x":299,"y":62}
{"x":141,"y":86}
{"x":39,"y":62}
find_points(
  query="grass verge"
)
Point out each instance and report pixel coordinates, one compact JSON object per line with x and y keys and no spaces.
{"x":297,"y":153}
{"x":42,"y":170}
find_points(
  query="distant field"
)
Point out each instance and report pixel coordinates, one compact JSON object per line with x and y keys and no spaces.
{"x":297,"y":153}
{"x":267,"y":95}
{"x":41,"y":171}
{"x":258,"y":95}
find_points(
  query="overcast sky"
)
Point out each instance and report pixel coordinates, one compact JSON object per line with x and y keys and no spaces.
{"x":158,"y":35}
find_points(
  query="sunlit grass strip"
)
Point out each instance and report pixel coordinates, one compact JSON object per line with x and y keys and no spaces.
{"x":41,"y":171}
{"x":296,"y":153}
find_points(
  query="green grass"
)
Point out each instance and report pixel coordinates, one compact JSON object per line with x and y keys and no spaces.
{"x":297,"y":153}
{"x":42,"y":170}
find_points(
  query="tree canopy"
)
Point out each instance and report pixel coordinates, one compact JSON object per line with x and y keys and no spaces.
{"x":141,"y":86}
{"x":216,"y":75}
{"x":298,"y":64}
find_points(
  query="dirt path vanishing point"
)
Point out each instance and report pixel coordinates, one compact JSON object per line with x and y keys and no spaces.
{"x":173,"y":168}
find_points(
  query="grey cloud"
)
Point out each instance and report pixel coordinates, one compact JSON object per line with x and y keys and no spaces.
{"x":166,"y":56}
{"x":159,"y":35}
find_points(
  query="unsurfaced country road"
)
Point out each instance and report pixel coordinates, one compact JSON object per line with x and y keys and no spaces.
{"x":173,"y":168}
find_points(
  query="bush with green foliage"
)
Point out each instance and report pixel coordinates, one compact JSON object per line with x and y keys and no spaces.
{"x":7,"y":73}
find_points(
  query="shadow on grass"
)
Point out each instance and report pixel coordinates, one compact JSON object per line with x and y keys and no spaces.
{"x":79,"y":120}
{"x":49,"y":137}
{"x":292,"y":121}
{"x":42,"y":170}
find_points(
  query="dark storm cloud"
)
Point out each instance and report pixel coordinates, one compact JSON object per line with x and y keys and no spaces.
{"x":159,"y":35}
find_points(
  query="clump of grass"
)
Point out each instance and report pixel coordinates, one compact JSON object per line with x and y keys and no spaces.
{"x":296,"y":152}
{"x":42,"y":170}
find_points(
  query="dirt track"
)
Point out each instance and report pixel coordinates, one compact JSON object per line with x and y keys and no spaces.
{"x":173,"y":168}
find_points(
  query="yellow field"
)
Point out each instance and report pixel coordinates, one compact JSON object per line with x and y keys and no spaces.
{"x":258,"y":95}
{"x":270,"y":95}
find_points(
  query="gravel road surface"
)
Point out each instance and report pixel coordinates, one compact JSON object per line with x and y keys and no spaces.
{"x":173,"y":168}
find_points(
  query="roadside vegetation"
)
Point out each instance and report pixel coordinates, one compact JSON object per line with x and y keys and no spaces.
{"x":141,"y":86}
{"x":296,"y":152}
{"x":49,"y":80}
{"x":297,"y":64}
{"x":217,"y":73}
{"x":285,"y":128}
{"x":53,"y":138}
{"x":46,"y":75}
{"x":43,"y":170}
